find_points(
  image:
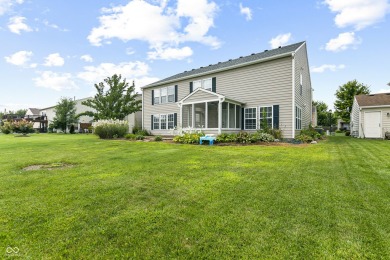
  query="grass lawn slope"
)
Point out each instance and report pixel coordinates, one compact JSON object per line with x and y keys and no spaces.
{"x":120,"y":199}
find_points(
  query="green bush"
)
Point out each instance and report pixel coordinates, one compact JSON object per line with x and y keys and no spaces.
{"x":22,"y":127}
{"x":158,"y":138}
{"x":347,"y":133}
{"x":339,"y":131}
{"x":71,"y":130}
{"x":6,"y":128}
{"x":188,"y":138}
{"x":304,"y":138}
{"x":140,"y":137}
{"x":276,"y":133}
{"x":108,"y":129}
{"x":263,"y":137}
{"x":135,"y":129}
{"x":130,"y":136}
{"x":142,"y":132}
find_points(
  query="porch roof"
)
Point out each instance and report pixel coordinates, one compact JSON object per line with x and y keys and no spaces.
{"x":201,"y":95}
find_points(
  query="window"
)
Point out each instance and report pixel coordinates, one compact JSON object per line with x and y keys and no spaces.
{"x":300,"y":84}
{"x":266,"y":117}
{"x":171,"y":121}
{"x":163,"y":122}
{"x":298,"y":118}
{"x":156,"y":122}
{"x":207,"y":84}
{"x":157,"y":96}
{"x":171,"y":94}
{"x":163,"y":94}
{"x":197,"y":84}
{"x":250,"y":118}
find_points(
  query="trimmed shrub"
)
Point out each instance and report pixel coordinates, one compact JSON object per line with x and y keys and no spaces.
{"x":22,"y":127}
{"x":6,"y":128}
{"x":142,"y":132}
{"x":158,"y":138}
{"x":130,"y":136}
{"x":264,"y":137}
{"x":140,"y":137}
{"x":108,"y":129}
{"x":347,"y":133}
{"x":188,"y":138}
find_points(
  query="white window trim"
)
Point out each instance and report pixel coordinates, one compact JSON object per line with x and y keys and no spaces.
{"x":272,"y":115}
{"x":159,"y":120}
{"x":166,"y":121}
{"x":167,"y":95}
{"x":250,"y":118}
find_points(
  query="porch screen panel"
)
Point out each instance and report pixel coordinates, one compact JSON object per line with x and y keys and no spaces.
{"x":187,"y":116}
{"x":200,"y":115}
{"x":212,"y":110}
{"x":232,"y":115}
{"x":225,"y":115}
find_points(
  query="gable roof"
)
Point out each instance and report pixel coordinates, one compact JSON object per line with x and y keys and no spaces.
{"x":233,"y":63}
{"x":373,"y":100}
{"x":35,"y":111}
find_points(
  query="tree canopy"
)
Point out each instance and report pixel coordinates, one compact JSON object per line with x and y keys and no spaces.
{"x":323,"y":114}
{"x":65,"y":114}
{"x":345,"y":96}
{"x":118,"y":101}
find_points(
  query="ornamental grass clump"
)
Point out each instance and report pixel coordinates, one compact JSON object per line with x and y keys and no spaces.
{"x":109,"y":129}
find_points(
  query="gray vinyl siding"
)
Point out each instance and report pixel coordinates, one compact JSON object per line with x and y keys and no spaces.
{"x":355,"y":119}
{"x":261,"y":84}
{"x":304,"y":101}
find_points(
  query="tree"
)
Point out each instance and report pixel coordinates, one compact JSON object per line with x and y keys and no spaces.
{"x":345,"y":96}
{"x":115,"y":103}
{"x":323,"y":114}
{"x":65,"y":114}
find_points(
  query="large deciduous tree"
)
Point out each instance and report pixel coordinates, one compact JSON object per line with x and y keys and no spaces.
{"x":118,"y":101}
{"x":344,"y":98}
{"x":323,"y":116}
{"x":65,"y":114}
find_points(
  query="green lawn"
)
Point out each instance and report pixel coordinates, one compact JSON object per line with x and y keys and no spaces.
{"x":161,"y":201}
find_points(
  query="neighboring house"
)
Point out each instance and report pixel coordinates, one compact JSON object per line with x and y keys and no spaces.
{"x":341,"y":125}
{"x":235,"y":95}
{"x":40,"y":121}
{"x":370,"y":116}
{"x":85,"y":121}
{"x":314,"y":116}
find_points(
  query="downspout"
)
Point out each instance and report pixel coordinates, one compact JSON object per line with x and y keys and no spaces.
{"x":142,"y":112}
{"x":221,"y":100}
{"x":293,"y":95}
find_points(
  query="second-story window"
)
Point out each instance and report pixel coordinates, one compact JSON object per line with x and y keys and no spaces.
{"x":157,"y":96}
{"x":163,"y":93}
{"x":207,"y":84}
{"x":171,"y":94}
{"x":197,"y":84}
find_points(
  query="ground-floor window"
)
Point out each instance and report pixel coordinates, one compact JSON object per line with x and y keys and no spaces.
{"x":163,"y":122}
{"x":266,"y":117}
{"x":250,"y":118}
{"x":298,"y":118}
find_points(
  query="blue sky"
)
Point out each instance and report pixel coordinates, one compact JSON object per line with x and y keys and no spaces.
{"x":54,"y":49}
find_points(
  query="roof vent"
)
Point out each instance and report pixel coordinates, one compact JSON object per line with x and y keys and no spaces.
{"x":201,"y":67}
{"x":193,"y":69}
{"x":265,"y":50}
{"x":252,"y":54}
{"x":230,"y":59}
{"x":240,"y":57}
{"x":185,"y":71}
{"x":219,"y":62}
{"x":210,"y":65}
{"x":371,"y":95}
{"x":280,"y":47}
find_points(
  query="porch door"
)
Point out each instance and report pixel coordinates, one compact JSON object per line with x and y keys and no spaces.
{"x":372,"y":124}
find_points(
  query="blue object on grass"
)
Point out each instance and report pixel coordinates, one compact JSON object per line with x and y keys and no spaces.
{"x":211,"y":139}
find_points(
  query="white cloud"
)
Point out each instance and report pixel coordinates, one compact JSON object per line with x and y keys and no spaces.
{"x":16,"y":24}
{"x":54,"y":26}
{"x":86,"y":58}
{"x":358,"y":13}
{"x":343,"y":42}
{"x":325,"y":67}
{"x":55,"y":81}
{"x":6,"y":5}
{"x":383,"y":90}
{"x":280,"y":40}
{"x":170,"y":53}
{"x":130,"y":51}
{"x":162,"y":27}
{"x":54,"y":60}
{"x":20,"y":58}
{"x":246,"y":11}
{"x":137,"y":71}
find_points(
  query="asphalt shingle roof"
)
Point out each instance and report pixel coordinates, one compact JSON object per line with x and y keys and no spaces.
{"x":35,"y":111}
{"x":230,"y":63}
{"x":373,"y":100}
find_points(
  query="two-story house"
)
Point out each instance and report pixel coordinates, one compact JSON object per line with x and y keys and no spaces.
{"x":234,"y":95}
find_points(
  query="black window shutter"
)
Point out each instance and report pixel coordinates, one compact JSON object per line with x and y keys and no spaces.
{"x":152,"y":97}
{"x":191,"y":87}
{"x":214,"y":84}
{"x":176,"y":92}
{"x":151,"y":122}
{"x":175,"y":119}
{"x":242,"y":118}
{"x":276,"y":116}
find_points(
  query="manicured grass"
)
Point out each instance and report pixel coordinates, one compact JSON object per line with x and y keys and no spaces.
{"x":161,"y":201}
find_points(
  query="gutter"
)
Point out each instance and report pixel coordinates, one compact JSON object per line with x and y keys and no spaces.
{"x":222,"y":69}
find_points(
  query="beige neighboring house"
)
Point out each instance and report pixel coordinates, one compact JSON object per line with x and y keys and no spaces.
{"x":234,"y":95}
{"x":370,"y":116}
{"x":85,"y":121}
